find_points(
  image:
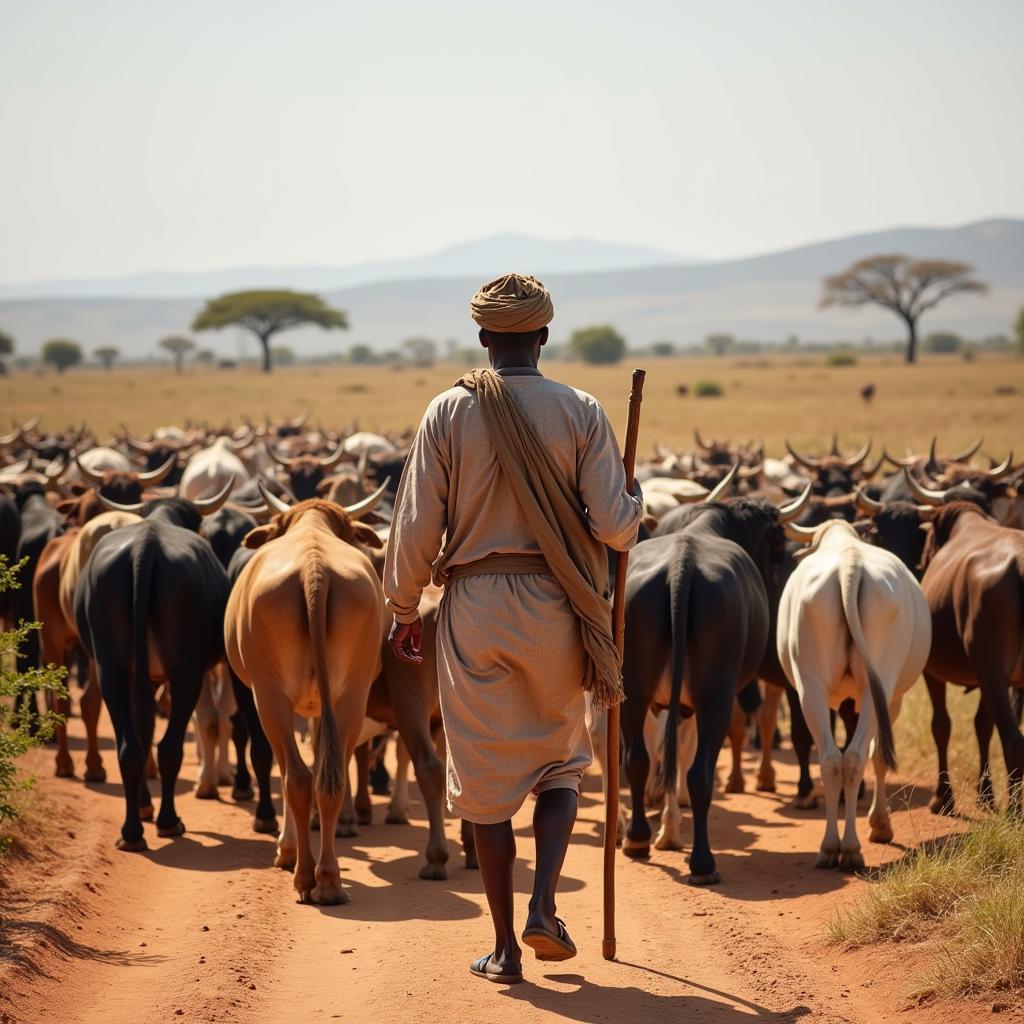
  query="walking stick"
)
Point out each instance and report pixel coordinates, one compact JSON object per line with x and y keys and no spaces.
{"x":611,"y":806}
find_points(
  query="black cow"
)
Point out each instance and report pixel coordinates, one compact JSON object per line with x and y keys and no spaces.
{"x":10,"y":532}
{"x":150,"y":604}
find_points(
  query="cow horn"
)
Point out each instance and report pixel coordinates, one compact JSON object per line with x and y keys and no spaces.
{"x":1002,"y":469}
{"x":143,"y":447}
{"x":804,"y":460}
{"x":750,"y":472}
{"x":931,"y":465}
{"x":867,"y":504}
{"x":835,"y":444}
{"x":926,"y":512}
{"x":14,"y":468}
{"x":901,"y":463}
{"x":96,"y":479}
{"x":30,"y":424}
{"x":368,"y":504}
{"x":157,"y":476}
{"x":9,"y":439}
{"x":923,"y":494}
{"x":330,"y":461}
{"x":364,"y":464}
{"x":300,"y":420}
{"x":241,"y":444}
{"x":272,"y":499}
{"x":700,"y":440}
{"x":967,"y":452}
{"x":52,"y":473}
{"x":800,"y":534}
{"x":115,"y":506}
{"x":787,"y":513}
{"x":281,"y":460}
{"x":723,"y":485}
{"x":855,"y":460}
{"x":207,"y":506}
{"x":867,"y":474}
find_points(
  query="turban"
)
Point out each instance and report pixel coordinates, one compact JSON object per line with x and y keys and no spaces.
{"x":512,"y":303}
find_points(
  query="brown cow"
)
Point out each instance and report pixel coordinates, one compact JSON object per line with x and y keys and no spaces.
{"x":301,"y":630}
{"x":974,"y":583}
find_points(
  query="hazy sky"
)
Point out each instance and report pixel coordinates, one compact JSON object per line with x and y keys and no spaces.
{"x":195,"y":135}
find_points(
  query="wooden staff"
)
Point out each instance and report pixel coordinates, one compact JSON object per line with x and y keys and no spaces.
{"x":611,"y":806}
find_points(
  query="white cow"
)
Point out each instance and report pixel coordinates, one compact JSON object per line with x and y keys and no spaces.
{"x":365,"y":443}
{"x":853,"y":622}
{"x":210,"y":470}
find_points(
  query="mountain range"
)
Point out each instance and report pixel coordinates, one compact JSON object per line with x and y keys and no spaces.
{"x":648,"y":294}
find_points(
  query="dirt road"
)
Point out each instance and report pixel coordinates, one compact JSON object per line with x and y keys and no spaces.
{"x":202,"y":928}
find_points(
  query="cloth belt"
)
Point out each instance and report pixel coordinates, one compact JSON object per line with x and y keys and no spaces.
{"x":502,"y":565}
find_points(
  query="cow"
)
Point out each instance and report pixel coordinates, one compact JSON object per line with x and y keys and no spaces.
{"x":853,"y":625}
{"x":306,"y":472}
{"x":303,"y":629}
{"x":149,"y":607}
{"x":974,"y":585}
{"x":10,"y":533}
{"x":207,"y":471}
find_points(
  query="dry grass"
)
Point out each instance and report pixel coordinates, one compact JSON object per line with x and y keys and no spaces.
{"x":769,"y":398}
{"x":964,"y":897}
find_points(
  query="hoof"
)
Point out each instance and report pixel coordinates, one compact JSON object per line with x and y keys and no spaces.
{"x":942,"y":803}
{"x":207,"y":792}
{"x":806,"y":803}
{"x":169,"y":831}
{"x":64,"y":770}
{"x":827,"y":859}
{"x":711,"y":879}
{"x":735,"y":784}
{"x":882,"y":834}
{"x":96,"y":775}
{"x":472,"y":864}
{"x":241,"y":796}
{"x":434,"y":872}
{"x":328,"y":894}
{"x":662,"y":841}
{"x":364,"y":818}
{"x":131,"y":845}
{"x":345,"y":830}
{"x":636,"y":849}
{"x":397,"y":818}
{"x":265,"y":826}
{"x":766,"y":784}
{"x":146,"y":812}
{"x":285,"y":860}
{"x":851,"y":861}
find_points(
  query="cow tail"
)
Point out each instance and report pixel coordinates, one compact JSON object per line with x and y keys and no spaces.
{"x":141,"y":696}
{"x":849,"y":586}
{"x":680,"y":576}
{"x":328,"y":755}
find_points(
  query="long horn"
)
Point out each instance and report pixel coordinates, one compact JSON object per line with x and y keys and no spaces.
{"x":143,"y":447}
{"x":272,"y":500}
{"x":923,"y":494}
{"x":787,"y":513}
{"x":277,"y":457}
{"x":804,"y":460}
{"x":1002,"y":469}
{"x":926,"y":512}
{"x":800,"y":534}
{"x":854,"y":461}
{"x":157,"y":476}
{"x":867,"y":504}
{"x":300,"y":420}
{"x":723,"y":485}
{"x":900,"y":463}
{"x":30,"y":424}
{"x":241,"y":445}
{"x":207,"y":506}
{"x":749,"y":472}
{"x":330,"y":461}
{"x":699,"y":440}
{"x":967,"y":452}
{"x":364,"y":464}
{"x":9,"y":439}
{"x":87,"y":474}
{"x":14,"y":468}
{"x":55,"y":473}
{"x":835,"y":444}
{"x":931,"y":466}
{"x":116,"y":506}
{"x":368,"y":504}
{"x":869,"y":472}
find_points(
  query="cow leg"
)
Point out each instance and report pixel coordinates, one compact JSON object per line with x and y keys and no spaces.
{"x":638,"y":763}
{"x":878,"y":815}
{"x":131,"y":756}
{"x":713,"y":717}
{"x":64,"y":767}
{"x":265,"y":820}
{"x":767,"y":717}
{"x":468,"y":837}
{"x":654,"y":727}
{"x":398,"y":807}
{"x":996,"y":695}
{"x":225,"y":703}
{"x":848,"y":713}
{"x":363,"y":803}
{"x":802,"y":743}
{"x":816,"y":715}
{"x":185,"y":688}
{"x":983,"y":726}
{"x":942,"y":801}
{"x":241,"y":786}
{"x":687,"y":752}
{"x":207,"y":736}
{"x":737,"y":741}
{"x":347,"y":818}
{"x":89,"y":705}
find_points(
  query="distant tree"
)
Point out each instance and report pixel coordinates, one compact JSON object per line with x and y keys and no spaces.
{"x":719,"y":344}
{"x":361,"y":354}
{"x":943,"y":343}
{"x":906,"y":286}
{"x":1018,"y":333}
{"x":179,"y":346}
{"x":61,"y":353}
{"x":6,"y":348}
{"x":205,"y":356}
{"x":600,"y":344}
{"x":662,"y":349}
{"x":282,"y":355}
{"x":265,"y":313}
{"x":106,"y":354}
{"x":420,"y":351}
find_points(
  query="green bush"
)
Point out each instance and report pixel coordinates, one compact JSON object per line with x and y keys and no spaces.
{"x":598,"y":345}
{"x":16,"y":730}
{"x":841,"y":359}
{"x":943,"y":343}
{"x":708,"y":389}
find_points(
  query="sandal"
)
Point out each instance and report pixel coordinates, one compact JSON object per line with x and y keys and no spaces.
{"x":479,"y":968}
{"x":550,"y":945}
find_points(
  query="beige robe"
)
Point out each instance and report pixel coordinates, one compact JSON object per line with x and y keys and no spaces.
{"x":509,"y":654}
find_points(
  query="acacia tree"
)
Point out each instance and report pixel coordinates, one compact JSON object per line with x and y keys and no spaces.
{"x":599,"y":345}
{"x":179,"y":346}
{"x":106,"y":354}
{"x":906,"y":286}
{"x":6,"y":348}
{"x":719,"y":344}
{"x":61,"y":353}
{"x":265,"y":313}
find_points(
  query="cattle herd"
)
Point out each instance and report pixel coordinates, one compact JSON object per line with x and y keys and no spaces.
{"x":233,"y":574}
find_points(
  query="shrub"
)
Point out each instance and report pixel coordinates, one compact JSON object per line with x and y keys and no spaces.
{"x":943,"y":343}
{"x":841,"y":359}
{"x":708,"y":389}
{"x":598,"y":345}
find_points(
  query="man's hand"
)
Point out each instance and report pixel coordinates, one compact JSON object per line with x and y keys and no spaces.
{"x":406,"y":640}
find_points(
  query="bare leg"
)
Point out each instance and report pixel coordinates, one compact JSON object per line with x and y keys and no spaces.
{"x":553,"y":819}
{"x":496,"y":852}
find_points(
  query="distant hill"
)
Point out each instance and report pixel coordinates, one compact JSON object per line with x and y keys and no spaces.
{"x":768,"y":296}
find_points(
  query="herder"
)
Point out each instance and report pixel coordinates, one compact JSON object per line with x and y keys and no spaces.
{"x":521,"y":480}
